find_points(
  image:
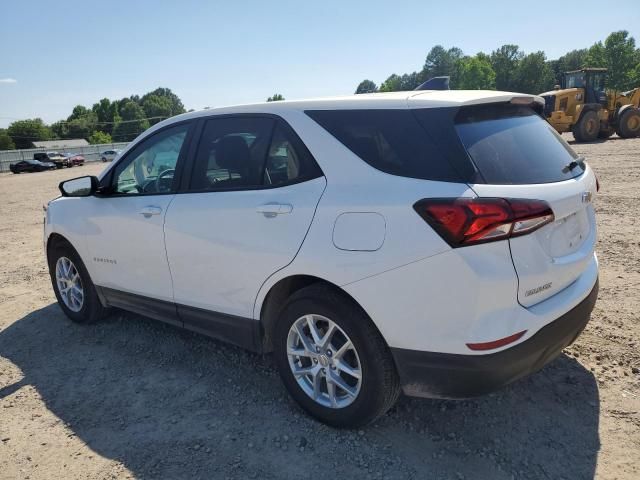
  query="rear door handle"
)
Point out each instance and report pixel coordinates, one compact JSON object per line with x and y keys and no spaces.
{"x":270,"y":210}
{"x":150,"y":210}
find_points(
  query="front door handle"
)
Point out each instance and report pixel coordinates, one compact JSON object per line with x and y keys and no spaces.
{"x":150,"y":210}
{"x":270,"y":210}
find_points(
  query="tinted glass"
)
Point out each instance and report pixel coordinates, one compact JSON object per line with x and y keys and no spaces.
{"x":288,"y":160}
{"x":390,"y":140}
{"x":150,"y":167}
{"x":231,"y":153}
{"x":513,"y":145}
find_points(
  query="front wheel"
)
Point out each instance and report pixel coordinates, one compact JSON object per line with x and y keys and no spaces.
{"x":587,"y":128}
{"x":72,"y":285}
{"x":629,"y":123}
{"x":332,"y":360}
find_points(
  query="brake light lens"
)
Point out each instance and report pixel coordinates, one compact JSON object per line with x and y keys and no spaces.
{"x":469,"y":221}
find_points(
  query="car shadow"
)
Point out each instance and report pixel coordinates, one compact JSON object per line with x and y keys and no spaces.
{"x":167,"y":403}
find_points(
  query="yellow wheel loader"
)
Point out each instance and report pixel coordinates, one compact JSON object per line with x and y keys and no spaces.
{"x":585,"y":107}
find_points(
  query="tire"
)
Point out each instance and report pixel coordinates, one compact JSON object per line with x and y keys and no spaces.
{"x":587,"y":128}
{"x":604,"y":134}
{"x":104,"y":159}
{"x":378,"y":387}
{"x":91,"y":310}
{"x":629,"y":123}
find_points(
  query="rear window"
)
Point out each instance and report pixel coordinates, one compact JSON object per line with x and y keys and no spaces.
{"x":390,"y":140}
{"x":513,"y":145}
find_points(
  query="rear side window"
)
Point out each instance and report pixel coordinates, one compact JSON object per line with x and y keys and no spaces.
{"x":390,"y":140}
{"x":513,"y":145}
{"x":237,"y":153}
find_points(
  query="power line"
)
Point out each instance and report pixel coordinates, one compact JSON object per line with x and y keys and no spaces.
{"x":93,"y":123}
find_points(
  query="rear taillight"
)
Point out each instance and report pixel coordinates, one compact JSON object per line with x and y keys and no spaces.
{"x":468,"y":221}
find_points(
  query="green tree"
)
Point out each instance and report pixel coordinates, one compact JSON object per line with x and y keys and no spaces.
{"x":534,"y":74}
{"x":131,"y":123}
{"x":391,"y":84}
{"x":366,"y":86}
{"x":505,"y":61}
{"x":78,"y":111}
{"x":276,"y":97}
{"x":620,"y":53}
{"x":156,"y":108}
{"x":105,"y":111}
{"x":174,"y":101}
{"x":99,"y":137}
{"x":441,"y":62}
{"x":573,"y":60}
{"x":476,"y":73}
{"x":59,"y":129}
{"x":24,"y":132}
{"x":5,"y":141}
{"x":596,"y":56}
{"x":83,"y":126}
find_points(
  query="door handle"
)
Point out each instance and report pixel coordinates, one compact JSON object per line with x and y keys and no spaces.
{"x":150,"y":210}
{"x":270,"y":210}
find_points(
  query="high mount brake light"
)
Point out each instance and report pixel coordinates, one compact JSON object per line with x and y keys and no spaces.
{"x":468,"y":221}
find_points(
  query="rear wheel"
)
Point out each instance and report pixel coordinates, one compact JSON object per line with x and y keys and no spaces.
{"x":587,"y":128}
{"x":72,"y":285}
{"x":332,"y":360}
{"x":629,"y":123}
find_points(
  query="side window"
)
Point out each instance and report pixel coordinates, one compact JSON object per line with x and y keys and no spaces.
{"x":288,"y":160}
{"x":231,"y":153}
{"x":150,"y":167}
{"x":392,"y":141}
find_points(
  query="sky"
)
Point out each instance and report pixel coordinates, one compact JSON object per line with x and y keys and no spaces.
{"x":55,"y":55}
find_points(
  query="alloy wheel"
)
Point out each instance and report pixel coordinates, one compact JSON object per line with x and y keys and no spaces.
{"x":324,"y":361}
{"x":69,"y":284}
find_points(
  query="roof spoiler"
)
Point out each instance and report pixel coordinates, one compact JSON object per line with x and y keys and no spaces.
{"x":435,"y":83}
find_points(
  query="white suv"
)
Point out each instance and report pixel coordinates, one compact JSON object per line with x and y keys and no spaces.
{"x":436,"y":242}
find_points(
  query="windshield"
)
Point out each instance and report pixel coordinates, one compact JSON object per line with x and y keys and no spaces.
{"x":514,"y":145}
{"x":574,"y":80}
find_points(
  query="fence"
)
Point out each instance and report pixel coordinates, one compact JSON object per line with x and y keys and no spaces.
{"x":89,"y":152}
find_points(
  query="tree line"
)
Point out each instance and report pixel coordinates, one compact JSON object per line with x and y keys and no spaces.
{"x":509,"y":68}
{"x":105,"y":122}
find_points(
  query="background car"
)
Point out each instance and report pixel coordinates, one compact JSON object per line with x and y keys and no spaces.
{"x":31,"y":166}
{"x":75,"y":159}
{"x":109,"y":155}
{"x":55,"y":157}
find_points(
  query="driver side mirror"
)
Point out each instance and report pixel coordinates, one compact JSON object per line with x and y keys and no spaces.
{"x":79,"y":187}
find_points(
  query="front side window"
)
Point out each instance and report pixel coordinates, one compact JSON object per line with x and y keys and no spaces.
{"x":150,"y":167}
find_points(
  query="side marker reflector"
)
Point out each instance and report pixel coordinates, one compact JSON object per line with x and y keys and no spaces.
{"x":496,"y":343}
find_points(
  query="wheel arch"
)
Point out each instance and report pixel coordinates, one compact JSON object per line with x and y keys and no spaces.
{"x":55,"y":239}
{"x":588,"y":107}
{"x":280,"y":291}
{"x":619,"y":111}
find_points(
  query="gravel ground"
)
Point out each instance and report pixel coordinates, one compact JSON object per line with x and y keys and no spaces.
{"x":130,"y":397}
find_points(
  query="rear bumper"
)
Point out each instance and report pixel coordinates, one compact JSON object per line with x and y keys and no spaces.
{"x":444,"y":375}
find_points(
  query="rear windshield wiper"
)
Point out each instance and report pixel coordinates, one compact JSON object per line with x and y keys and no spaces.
{"x":578,"y":162}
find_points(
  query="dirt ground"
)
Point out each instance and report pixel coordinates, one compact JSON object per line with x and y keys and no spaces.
{"x":130,"y":397}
